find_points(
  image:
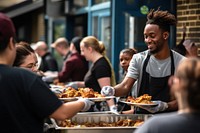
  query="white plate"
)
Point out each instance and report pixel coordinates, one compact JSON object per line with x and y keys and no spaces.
{"x":56,"y":86}
{"x":138,"y":104}
{"x":100,"y":99}
{"x":68,"y":99}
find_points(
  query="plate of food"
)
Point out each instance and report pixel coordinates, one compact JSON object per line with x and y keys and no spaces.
{"x":149,"y":103}
{"x":100,"y":99}
{"x":57,"y":86}
{"x":143,"y":100}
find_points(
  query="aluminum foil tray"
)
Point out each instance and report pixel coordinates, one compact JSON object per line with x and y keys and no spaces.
{"x":101,"y":117}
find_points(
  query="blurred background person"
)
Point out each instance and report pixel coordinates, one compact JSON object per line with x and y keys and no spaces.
{"x":61,"y":46}
{"x":48,"y":62}
{"x":74,"y":66}
{"x":191,"y":47}
{"x":180,"y":48}
{"x":125,"y":57}
{"x":99,"y":73}
{"x":185,"y":87}
{"x":78,"y":60}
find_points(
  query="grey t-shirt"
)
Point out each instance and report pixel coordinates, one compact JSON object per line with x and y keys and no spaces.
{"x":171,"y":123}
{"x":155,"y":67}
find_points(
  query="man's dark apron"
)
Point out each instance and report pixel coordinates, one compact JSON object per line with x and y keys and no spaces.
{"x":157,"y":87}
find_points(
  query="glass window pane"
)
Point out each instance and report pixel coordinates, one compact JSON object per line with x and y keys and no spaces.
{"x":77,"y":4}
{"x":134,"y":27}
{"x":105,"y":34}
{"x":95,"y":26}
{"x":100,"y":1}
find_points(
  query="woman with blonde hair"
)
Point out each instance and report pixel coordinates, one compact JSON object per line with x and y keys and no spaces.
{"x":100,"y":73}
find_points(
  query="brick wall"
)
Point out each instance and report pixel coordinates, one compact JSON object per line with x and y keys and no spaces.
{"x":188,"y":14}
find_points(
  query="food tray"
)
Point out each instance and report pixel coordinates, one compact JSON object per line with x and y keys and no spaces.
{"x":154,"y":103}
{"x":96,"y":118}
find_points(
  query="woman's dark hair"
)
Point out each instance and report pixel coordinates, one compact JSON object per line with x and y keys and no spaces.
{"x":129,"y":51}
{"x":23,"y":50}
{"x":76,"y":41}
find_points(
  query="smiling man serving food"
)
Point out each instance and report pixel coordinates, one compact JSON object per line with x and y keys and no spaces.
{"x":153,"y":67}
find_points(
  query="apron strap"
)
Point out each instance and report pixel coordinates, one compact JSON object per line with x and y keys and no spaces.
{"x":172,"y":63}
{"x":145,"y":62}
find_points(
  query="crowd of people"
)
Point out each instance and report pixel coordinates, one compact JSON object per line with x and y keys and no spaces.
{"x":28,"y":101}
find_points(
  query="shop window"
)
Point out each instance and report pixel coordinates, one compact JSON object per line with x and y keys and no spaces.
{"x":80,"y":3}
{"x":134,"y":28}
{"x":99,"y":1}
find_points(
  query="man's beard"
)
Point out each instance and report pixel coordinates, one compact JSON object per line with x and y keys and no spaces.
{"x":154,"y":51}
{"x":157,"y":49}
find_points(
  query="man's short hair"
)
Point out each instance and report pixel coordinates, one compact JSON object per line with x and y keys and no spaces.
{"x":61,"y":42}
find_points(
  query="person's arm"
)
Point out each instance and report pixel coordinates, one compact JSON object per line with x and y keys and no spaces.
{"x":76,"y":84}
{"x":131,"y":111}
{"x":123,"y":88}
{"x":119,"y":90}
{"x":184,"y":35}
{"x":45,"y":103}
{"x":172,"y":106}
{"x":105,"y":82}
{"x":67,"y":110}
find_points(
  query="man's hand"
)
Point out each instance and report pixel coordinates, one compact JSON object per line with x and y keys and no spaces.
{"x":108,"y":91}
{"x":88,"y":103}
{"x":161,"y":106}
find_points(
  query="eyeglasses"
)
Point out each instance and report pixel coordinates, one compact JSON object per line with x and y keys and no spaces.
{"x":31,"y":66}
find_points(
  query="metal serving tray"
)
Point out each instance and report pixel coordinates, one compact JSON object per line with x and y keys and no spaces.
{"x":96,"y":118}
